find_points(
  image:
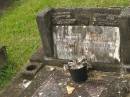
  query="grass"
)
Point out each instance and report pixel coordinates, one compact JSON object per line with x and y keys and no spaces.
{"x":19,"y":30}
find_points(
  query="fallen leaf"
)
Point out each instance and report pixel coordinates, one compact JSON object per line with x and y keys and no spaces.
{"x":70,"y":89}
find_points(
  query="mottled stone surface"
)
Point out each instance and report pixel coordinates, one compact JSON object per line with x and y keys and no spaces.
{"x":99,"y":84}
{"x":38,"y":57}
{"x":50,"y":81}
{"x":97,"y":43}
{"x":88,"y":16}
{"x":102,"y":18}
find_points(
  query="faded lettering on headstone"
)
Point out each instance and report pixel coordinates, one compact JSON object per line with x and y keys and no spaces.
{"x":97,"y":43}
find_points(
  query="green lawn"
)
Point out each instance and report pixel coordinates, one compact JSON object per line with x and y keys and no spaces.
{"x":19,"y":29}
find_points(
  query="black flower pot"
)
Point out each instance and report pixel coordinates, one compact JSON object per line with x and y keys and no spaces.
{"x":79,"y":75}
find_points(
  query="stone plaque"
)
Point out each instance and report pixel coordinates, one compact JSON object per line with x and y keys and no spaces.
{"x":97,"y":43}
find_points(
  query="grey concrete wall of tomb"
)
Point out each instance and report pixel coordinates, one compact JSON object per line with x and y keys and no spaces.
{"x":102,"y":33}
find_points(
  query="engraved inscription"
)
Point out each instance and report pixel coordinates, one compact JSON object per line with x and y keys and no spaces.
{"x":97,"y":43}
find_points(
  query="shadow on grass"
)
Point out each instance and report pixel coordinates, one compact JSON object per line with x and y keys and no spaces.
{"x":6,"y":73}
{"x":4,"y":4}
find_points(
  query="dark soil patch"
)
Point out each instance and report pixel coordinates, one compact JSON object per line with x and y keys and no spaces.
{"x":4,"y":4}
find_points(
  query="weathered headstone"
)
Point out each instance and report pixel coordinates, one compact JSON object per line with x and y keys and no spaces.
{"x":102,"y":34}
